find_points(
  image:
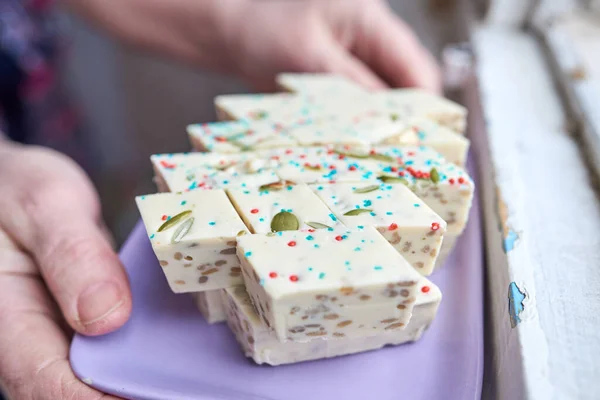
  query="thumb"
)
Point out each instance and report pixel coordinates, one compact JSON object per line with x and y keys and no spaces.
{"x":53,"y":216}
{"x":82,"y":272}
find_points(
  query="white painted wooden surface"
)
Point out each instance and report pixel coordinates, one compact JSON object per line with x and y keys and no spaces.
{"x":542,"y":224}
{"x":573,"y":41}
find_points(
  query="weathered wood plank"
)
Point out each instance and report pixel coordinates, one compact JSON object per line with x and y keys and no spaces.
{"x":543,"y":228}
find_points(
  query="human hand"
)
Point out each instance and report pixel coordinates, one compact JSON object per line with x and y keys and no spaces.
{"x":361,"y":39}
{"x":57,"y":272}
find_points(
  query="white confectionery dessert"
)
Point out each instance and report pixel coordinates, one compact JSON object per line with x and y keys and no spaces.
{"x":330,"y":284}
{"x":211,"y":306}
{"x":413,"y":228}
{"x":238,"y":136}
{"x":290,"y":207}
{"x":193,"y":235}
{"x":260,"y":344}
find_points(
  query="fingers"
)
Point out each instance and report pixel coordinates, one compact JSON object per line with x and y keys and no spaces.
{"x":82,"y":272}
{"x":391,"y":48}
{"x":339,"y":61}
{"x":57,"y":225}
{"x":33,"y":349}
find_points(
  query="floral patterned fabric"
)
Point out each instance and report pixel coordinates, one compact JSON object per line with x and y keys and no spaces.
{"x":33,"y":108}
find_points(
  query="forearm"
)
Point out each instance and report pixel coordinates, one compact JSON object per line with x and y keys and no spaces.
{"x":200,"y":32}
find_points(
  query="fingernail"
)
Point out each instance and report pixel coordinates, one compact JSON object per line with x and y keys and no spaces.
{"x":98,"y":302}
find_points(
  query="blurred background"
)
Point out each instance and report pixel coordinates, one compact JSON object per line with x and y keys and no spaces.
{"x":134,"y":105}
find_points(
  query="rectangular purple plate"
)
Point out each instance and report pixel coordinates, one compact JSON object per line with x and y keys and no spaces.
{"x":167,"y":351}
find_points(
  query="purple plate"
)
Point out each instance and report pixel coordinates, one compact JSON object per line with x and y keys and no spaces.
{"x":167,"y":351}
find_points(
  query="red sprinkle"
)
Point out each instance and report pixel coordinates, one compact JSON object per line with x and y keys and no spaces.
{"x":332,"y":167}
{"x":339,"y":238}
{"x":164,"y":218}
{"x":425,"y":289}
{"x":461,"y":180}
{"x":293,"y":278}
{"x":401,"y":173}
{"x":411,"y":153}
{"x":435,"y":226}
{"x":393,"y":226}
{"x":352,"y":168}
{"x":341,"y":157}
{"x":372,"y":152}
{"x":220,"y":139}
{"x":273,"y":275}
{"x":302,"y":156}
{"x":330,"y":152}
{"x":249,"y":132}
{"x":288,"y":151}
{"x":311,"y":230}
{"x":451,"y":180}
{"x":167,"y":165}
{"x":254,"y":210}
{"x":275,"y":158}
{"x":393,"y":169}
{"x":292,"y":243}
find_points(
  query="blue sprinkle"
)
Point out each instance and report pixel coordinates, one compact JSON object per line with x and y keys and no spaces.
{"x":262,"y":282}
{"x":347,"y":263}
{"x":143,"y":198}
{"x":344,"y":236}
{"x":333,"y":218}
{"x":194,"y":185}
{"x":309,"y":237}
{"x":322,"y":275}
{"x":387,"y":169}
{"x":349,"y":269}
{"x":362,"y":240}
{"x":357,"y":249}
{"x":225,"y":182}
{"x":330,"y":229}
{"x":320,"y":188}
{"x":389,"y":213}
{"x":261,"y":219}
{"x":367,"y":203}
{"x":377,"y":268}
{"x":409,"y":162}
{"x":152,"y":236}
{"x":379,"y":197}
{"x":247,"y":254}
{"x":372,"y":214}
{"x":275,"y":204}
{"x":290,"y":187}
{"x":243,"y":185}
{"x":212,"y":223}
{"x":360,"y":226}
{"x":316,"y":246}
{"x":168,"y":218}
{"x":247,"y":192}
{"x":417,"y":205}
{"x":310,"y":268}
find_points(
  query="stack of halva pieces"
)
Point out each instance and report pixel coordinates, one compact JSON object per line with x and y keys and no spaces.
{"x":309,"y":220}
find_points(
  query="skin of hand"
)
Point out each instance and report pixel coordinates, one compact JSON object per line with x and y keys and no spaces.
{"x":360,"y":39}
{"x":58,"y":272}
